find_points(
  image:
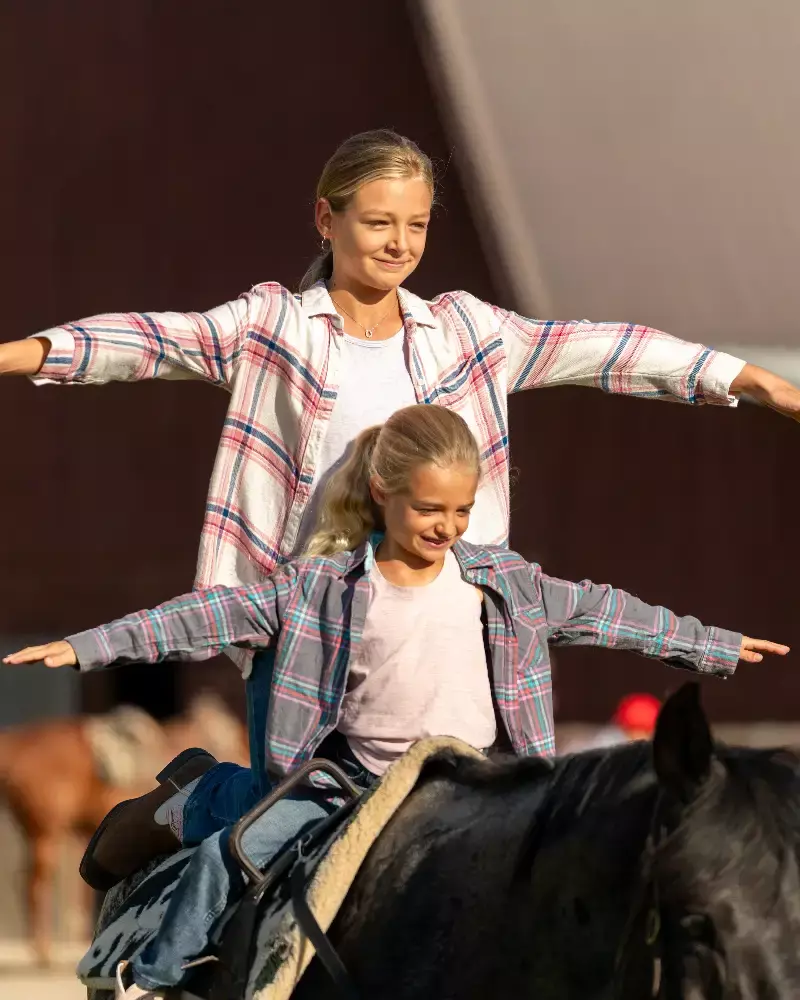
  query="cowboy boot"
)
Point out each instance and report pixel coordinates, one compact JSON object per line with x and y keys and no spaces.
{"x":130,"y":835}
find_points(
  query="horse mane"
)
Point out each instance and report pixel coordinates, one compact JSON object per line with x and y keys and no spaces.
{"x":761,"y":786}
{"x":758,"y":801}
{"x":769,"y":780}
{"x":579,"y":775}
{"x":753,"y":795}
{"x":499,"y":774}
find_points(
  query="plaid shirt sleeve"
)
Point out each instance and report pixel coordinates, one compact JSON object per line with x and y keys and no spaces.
{"x":590,"y":614}
{"x":126,"y":347}
{"x":195,"y":626}
{"x":622,"y":358}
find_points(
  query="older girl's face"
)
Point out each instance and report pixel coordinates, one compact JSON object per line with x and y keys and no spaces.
{"x":379,"y":239}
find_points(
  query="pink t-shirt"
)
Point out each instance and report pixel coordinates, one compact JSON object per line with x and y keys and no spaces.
{"x":420,"y":669}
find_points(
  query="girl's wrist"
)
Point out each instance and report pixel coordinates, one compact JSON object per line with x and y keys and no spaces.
{"x":768,"y":388}
{"x":23,"y":357}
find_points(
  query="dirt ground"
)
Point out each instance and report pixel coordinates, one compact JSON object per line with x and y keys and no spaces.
{"x":19,"y":980}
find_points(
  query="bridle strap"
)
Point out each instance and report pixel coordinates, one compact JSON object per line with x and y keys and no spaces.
{"x":651,"y":940}
{"x":647,"y":902}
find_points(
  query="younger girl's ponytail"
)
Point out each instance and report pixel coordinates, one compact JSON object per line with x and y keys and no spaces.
{"x":414,"y":436}
{"x":348,"y":514}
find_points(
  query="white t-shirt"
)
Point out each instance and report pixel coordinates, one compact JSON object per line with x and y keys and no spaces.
{"x":419,"y":670}
{"x":375,"y":383}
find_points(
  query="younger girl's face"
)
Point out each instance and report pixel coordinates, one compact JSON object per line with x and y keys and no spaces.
{"x":379,"y":239}
{"x":426,"y":520}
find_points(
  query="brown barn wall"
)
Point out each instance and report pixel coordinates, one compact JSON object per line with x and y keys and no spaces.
{"x":164,"y":155}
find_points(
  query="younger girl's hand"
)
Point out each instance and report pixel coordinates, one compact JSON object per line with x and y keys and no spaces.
{"x":753,"y":649}
{"x":54,"y":654}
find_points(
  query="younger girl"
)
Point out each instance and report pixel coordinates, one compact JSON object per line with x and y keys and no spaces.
{"x":381,"y":635}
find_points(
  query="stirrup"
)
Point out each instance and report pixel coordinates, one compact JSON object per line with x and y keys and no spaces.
{"x":251,"y":871}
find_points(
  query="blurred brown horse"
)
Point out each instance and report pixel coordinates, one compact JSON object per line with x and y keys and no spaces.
{"x":57,"y":784}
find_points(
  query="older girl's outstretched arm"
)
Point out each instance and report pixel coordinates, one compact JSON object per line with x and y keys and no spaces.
{"x":132,"y":346}
{"x":635,"y":360}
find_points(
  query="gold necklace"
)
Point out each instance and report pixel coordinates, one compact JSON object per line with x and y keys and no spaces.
{"x":368,"y":332}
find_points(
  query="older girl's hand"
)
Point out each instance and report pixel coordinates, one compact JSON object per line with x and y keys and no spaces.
{"x":768,"y":388}
{"x":54,"y":654}
{"x":753,"y":649}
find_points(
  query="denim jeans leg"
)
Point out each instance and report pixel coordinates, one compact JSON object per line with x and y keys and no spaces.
{"x":222,"y":796}
{"x":212,"y":880}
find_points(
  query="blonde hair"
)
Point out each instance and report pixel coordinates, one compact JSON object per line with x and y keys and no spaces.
{"x":361,"y":159}
{"x":416,"y":435}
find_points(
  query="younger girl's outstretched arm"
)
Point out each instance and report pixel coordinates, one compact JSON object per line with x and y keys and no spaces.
{"x":195,"y":626}
{"x":592,"y":614}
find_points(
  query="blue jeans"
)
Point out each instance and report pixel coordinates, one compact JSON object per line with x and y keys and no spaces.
{"x":212,"y":880}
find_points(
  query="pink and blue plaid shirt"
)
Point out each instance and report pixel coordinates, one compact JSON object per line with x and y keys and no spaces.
{"x":311,"y":611}
{"x":278,"y":355}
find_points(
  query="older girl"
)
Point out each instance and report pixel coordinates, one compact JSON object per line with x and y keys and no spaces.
{"x":307,"y":372}
{"x":380,"y":641}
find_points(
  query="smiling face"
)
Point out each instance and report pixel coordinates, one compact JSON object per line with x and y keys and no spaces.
{"x":379,"y":238}
{"x":425,"y":520}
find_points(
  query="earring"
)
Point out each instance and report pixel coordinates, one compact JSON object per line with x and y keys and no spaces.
{"x":323,"y":241}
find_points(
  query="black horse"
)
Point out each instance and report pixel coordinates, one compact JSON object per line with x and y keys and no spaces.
{"x":663,"y":870}
{"x":666,"y":871}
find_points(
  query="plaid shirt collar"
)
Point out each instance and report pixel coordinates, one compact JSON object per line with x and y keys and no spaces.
{"x":318,"y":302}
{"x":472,"y":559}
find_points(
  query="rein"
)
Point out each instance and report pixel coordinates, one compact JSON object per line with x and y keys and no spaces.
{"x":648,"y":931}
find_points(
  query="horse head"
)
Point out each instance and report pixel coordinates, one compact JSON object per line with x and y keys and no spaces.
{"x":718,"y":911}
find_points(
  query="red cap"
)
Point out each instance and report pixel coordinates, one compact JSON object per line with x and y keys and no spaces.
{"x":638,"y":712}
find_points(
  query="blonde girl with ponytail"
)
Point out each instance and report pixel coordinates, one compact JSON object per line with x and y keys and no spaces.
{"x":391,"y":629}
{"x":308,"y":370}
{"x":382,"y":463}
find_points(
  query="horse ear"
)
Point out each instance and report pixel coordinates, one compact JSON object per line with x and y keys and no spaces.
{"x":683,"y":748}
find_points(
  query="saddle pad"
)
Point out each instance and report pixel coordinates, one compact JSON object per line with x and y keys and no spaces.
{"x":283,"y":953}
{"x":131,"y":916}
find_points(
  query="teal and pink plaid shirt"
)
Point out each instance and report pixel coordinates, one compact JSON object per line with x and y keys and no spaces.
{"x":278,"y":355}
{"x":312,"y":612}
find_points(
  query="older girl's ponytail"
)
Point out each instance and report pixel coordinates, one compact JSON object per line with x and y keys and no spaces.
{"x":321,"y":269}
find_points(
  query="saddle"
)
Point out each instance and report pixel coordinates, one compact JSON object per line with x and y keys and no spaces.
{"x":271,"y":891}
{"x":264,"y":944}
